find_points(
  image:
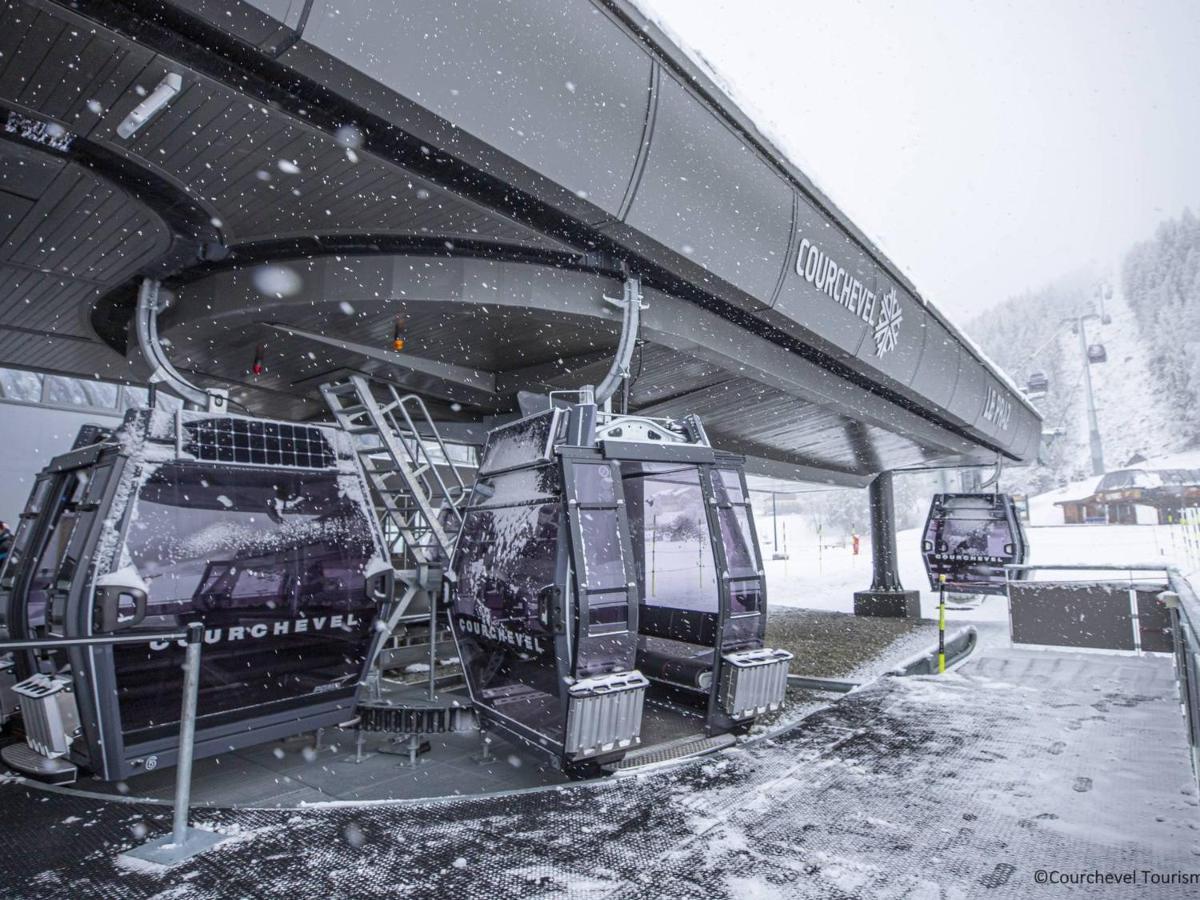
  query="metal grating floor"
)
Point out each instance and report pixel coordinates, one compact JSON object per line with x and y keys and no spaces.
{"x":955,"y":786}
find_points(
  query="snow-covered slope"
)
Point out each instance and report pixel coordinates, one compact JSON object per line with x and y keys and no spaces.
{"x":1133,"y":413}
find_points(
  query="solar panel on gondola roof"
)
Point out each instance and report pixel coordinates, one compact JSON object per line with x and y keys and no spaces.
{"x":258,"y":443}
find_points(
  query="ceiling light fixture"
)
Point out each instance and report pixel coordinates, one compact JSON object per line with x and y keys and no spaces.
{"x":171,"y":85}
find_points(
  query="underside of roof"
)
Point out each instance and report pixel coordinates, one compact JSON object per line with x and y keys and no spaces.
{"x":475,"y":177}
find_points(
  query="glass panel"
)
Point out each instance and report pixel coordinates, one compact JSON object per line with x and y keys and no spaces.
{"x":727,"y":486}
{"x":272,"y":562}
{"x":740,"y":553}
{"x":78,"y":392}
{"x":745,"y":597}
{"x":608,"y":612}
{"x":519,"y":487}
{"x":135,"y":398}
{"x":507,"y":564}
{"x":463,"y":454}
{"x":12,"y":549}
{"x":606,"y":645}
{"x":166,"y":401}
{"x":508,"y":555}
{"x":672,"y":545}
{"x":520,"y":443}
{"x":54,"y":551}
{"x":459,"y":454}
{"x":594,"y":483}
{"x":17,"y":385}
{"x":603,"y":558}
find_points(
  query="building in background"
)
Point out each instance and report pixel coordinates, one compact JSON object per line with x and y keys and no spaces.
{"x":1136,"y":497}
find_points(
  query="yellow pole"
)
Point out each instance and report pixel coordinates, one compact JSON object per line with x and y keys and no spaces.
{"x":941,"y":624}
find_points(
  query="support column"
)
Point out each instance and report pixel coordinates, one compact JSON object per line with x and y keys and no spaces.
{"x":887,"y":596}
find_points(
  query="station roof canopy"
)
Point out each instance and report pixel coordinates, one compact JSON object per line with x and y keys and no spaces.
{"x":469,"y":177}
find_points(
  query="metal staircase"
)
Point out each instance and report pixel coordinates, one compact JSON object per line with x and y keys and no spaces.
{"x":398,"y":442}
{"x":419,"y":496}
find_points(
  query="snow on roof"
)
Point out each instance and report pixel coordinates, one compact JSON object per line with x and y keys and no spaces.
{"x":1068,"y":493}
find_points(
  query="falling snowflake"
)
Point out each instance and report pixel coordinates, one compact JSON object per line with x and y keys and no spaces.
{"x":887,"y":329}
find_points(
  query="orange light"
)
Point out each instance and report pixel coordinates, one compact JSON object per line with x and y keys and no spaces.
{"x":397,"y":343}
{"x":398,"y":335}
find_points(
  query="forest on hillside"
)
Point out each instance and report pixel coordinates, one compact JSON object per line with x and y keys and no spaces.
{"x":1024,"y":336}
{"x":1148,"y":388}
{"x":1161,"y":280}
{"x":1144,"y":310}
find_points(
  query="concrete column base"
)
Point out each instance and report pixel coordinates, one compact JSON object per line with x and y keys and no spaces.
{"x":888,"y":604}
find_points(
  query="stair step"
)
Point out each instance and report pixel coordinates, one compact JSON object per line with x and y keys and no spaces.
{"x":680,"y":748}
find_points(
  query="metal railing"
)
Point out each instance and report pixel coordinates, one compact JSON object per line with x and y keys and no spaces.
{"x":1183,"y":607}
{"x":183,"y":840}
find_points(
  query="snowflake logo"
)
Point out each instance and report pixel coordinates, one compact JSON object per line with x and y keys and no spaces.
{"x":887,"y":329}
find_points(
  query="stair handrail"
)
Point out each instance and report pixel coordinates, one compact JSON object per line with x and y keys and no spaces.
{"x":420,"y":451}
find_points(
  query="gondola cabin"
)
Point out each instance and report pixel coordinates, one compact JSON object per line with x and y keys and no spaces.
{"x":602,"y":556}
{"x":970,"y":538}
{"x":258,"y":529}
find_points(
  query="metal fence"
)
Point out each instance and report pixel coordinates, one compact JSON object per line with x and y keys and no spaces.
{"x":183,"y":841}
{"x":1182,"y":608}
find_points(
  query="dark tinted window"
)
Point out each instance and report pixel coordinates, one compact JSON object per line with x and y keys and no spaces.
{"x":740,"y":553}
{"x":507,"y":560}
{"x":594,"y":483}
{"x":521,"y":443}
{"x":273,"y":564}
{"x":208,"y":538}
{"x":672,"y":544}
{"x":506,"y":557}
{"x":603,"y":559}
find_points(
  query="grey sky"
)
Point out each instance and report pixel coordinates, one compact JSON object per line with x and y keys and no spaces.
{"x":988,"y":147}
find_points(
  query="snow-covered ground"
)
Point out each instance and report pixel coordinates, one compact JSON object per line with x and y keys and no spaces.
{"x":827,"y":577}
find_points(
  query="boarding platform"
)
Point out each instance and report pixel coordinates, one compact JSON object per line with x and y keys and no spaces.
{"x":964,"y":784}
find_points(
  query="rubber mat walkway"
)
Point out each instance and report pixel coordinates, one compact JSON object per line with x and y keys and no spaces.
{"x":967,"y":785}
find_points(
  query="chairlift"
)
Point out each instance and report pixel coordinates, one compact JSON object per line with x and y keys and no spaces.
{"x":1096,"y":353}
{"x":1037,"y":386}
{"x":586,"y":574}
{"x":970,"y":538}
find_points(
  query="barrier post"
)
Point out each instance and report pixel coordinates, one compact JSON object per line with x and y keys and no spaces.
{"x":187,"y":731}
{"x":941,"y":624}
{"x":183,"y":842}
